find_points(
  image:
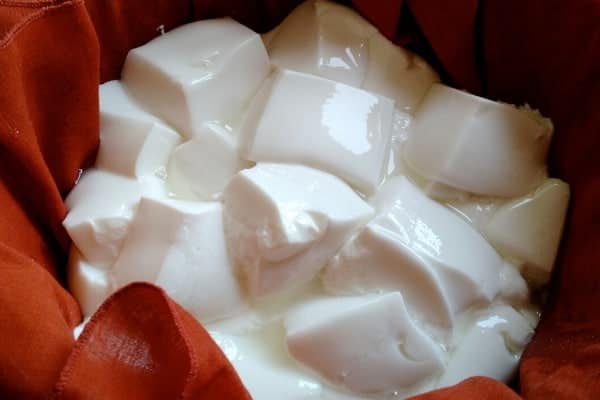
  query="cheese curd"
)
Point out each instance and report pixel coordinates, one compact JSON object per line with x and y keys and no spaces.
{"x":200,"y":168}
{"x":133,"y":142}
{"x":180,"y":246}
{"x":353,"y":124}
{"x":199,"y":72}
{"x":100,"y":208}
{"x":329,"y":40}
{"x":477,"y":145}
{"x":439,"y":262}
{"x":284,"y":222}
{"x":365,"y":344}
{"x":345,"y":226}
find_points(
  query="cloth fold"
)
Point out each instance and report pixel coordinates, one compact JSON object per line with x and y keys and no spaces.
{"x":53,"y":55}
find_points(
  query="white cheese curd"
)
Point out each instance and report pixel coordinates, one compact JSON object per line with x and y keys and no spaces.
{"x":283,"y":222}
{"x":491,"y":346}
{"x":324,"y":39}
{"x":203,"y":71}
{"x":200,"y":168}
{"x":528,"y":229}
{"x":327,"y":118}
{"x":180,"y":246}
{"x":398,"y":74}
{"x":132,"y":142}
{"x":89,"y":284}
{"x":441,"y":264}
{"x":345,"y":227}
{"x":477,"y":145}
{"x":365,"y":344}
{"x":100,"y":208}
{"x":332,"y":41}
{"x":376,"y":261}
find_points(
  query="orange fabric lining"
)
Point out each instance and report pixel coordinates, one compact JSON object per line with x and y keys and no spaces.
{"x":53,"y":55}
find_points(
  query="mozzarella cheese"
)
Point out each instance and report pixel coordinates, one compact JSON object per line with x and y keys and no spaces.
{"x":100,"y":208}
{"x":529,"y":229}
{"x":439,"y":262}
{"x":491,"y":346}
{"x":283,"y":222}
{"x":132,"y":142}
{"x":344,"y":226}
{"x":200,"y":168}
{"x":332,"y":41}
{"x":199,"y":72}
{"x":180,"y":246}
{"x":89,"y":284}
{"x":365,"y":344}
{"x":337,"y":119}
{"x":477,"y":145}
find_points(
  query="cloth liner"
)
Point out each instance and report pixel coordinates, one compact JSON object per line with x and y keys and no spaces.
{"x":140,"y":344}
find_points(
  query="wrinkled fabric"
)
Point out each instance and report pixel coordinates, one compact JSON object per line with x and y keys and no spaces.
{"x":169,"y":358}
{"x":140,"y":344}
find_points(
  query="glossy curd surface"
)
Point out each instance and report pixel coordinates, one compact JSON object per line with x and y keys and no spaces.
{"x":343,"y":224}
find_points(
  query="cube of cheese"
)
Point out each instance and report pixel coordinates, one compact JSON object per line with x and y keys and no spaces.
{"x":100,"y":208}
{"x":491,"y":346}
{"x":88,"y":283}
{"x":203,"y":71}
{"x":331,"y":126}
{"x":398,"y":74}
{"x":283,"y":222}
{"x":529,"y":229}
{"x":180,"y":246}
{"x":368,"y":345}
{"x":325,"y":39}
{"x":332,"y":41}
{"x":477,"y":145}
{"x":132,"y":142}
{"x":201,"y":167}
{"x":439,"y":262}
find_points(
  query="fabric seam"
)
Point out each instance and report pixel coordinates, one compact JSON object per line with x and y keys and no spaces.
{"x":26,"y":22}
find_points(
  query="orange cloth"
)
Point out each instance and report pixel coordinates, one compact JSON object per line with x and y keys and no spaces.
{"x":140,"y":344}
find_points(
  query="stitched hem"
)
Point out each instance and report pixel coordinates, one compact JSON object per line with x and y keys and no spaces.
{"x":67,"y":372}
{"x":47,"y":6}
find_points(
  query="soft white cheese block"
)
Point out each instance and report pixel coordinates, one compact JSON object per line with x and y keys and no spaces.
{"x":132,"y":142}
{"x":376,"y":261}
{"x":366,"y":344}
{"x":100,"y":208}
{"x":299,"y":118}
{"x":440,"y":263}
{"x":203,"y":71}
{"x":332,"y":41}
{"x":283,"y":222}
{"x":89,"y":284}
{"x":529,"y":229}
{"x":477,"y":145}
{"x":491,"y":346}
{"x":397,"y":73}
{"x":325,"y":39}
{"x":201,"y":167}
{"x":180,"y":246}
